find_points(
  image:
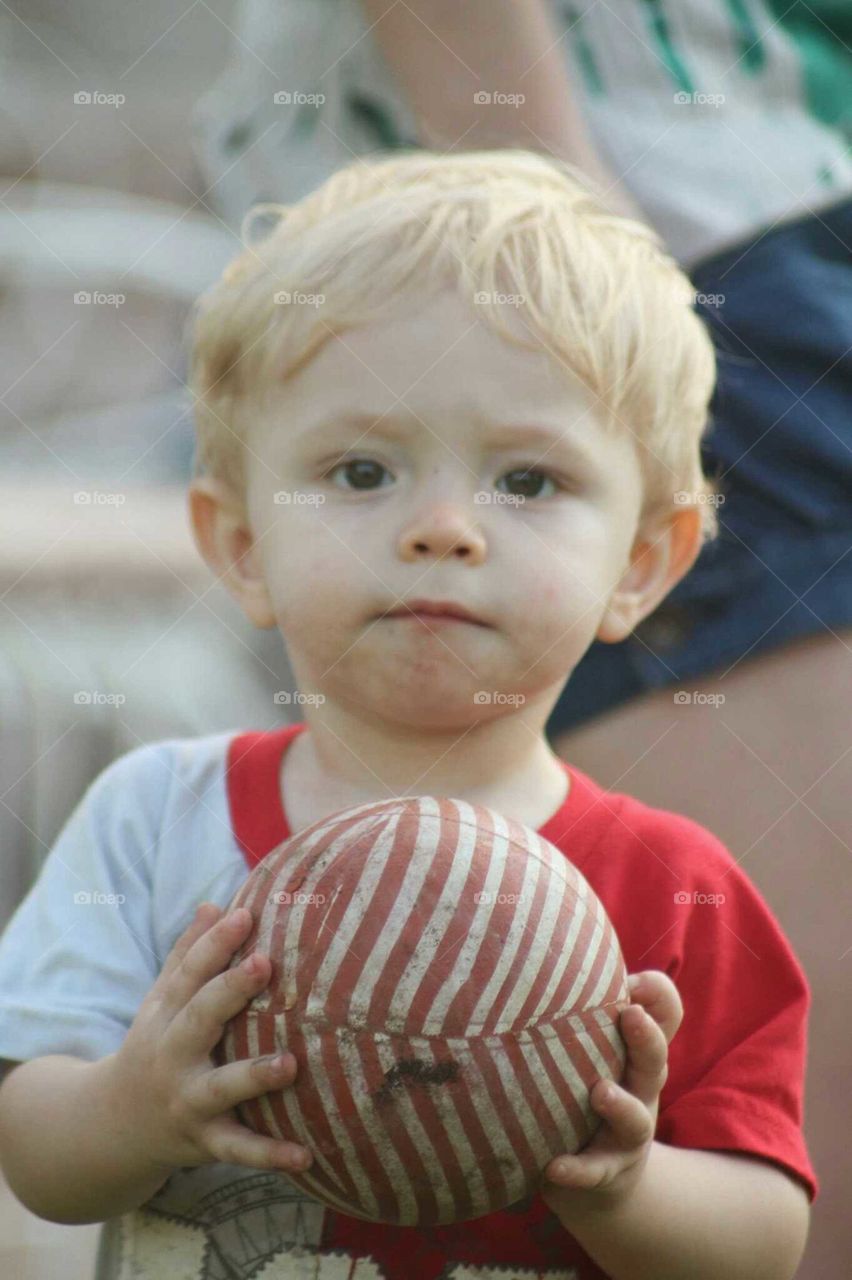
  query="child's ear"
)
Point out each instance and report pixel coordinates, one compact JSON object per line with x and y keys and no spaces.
{"x":661,"y":555}
{"x":225,"y":540}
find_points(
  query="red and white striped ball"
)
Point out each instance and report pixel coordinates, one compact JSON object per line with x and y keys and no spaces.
{"x":450,"y":986}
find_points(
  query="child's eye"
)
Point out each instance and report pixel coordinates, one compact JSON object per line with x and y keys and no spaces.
{"x":363,"y":470}
{"x":527,"y":481}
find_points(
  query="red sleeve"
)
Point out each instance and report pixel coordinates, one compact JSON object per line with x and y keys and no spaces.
{"x":737,"y":1062}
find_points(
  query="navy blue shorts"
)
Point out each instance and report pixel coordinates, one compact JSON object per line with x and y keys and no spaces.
{"x":780,"y":449}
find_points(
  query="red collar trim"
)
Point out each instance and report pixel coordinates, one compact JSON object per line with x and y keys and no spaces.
{"x":253,"y":773}
{"x":252,"y":779}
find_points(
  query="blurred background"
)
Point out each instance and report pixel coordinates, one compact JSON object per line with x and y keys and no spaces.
{"x":112,"y":630}
{"x":107,"y":234}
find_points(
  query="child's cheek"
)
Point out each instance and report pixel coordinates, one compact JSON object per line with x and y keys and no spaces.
{"x":550,"y":596}
{"x":557,"y":598}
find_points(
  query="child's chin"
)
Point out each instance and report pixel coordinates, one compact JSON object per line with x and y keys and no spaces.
{"x":438,"y":711}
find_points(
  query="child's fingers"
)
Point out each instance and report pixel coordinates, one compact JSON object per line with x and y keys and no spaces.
{"x":206,"y":915}
{"x":629,"y":1120}
{"x":628,"y":1127}
{"x":197,"y":1028}
{"x":580,"y":1173}
{"x":647,"y":1055}
{"x":206,"y":957}
{"x":232,"y":1142}
{"x":660,"y":998}
{"x":219,"y":1090}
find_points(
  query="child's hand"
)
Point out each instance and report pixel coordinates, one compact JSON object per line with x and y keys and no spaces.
{"x":180,"y":1103}
{"x":606,"y":1171}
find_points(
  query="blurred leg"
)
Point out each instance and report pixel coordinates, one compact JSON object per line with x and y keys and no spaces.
{"x":769,"y":772}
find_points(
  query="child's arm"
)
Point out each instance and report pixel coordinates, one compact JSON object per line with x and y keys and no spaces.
{"x":66,"y":1151}
{"x":698,"y":1215}
{"x":644,"y":1210}
{"x":84,"y":1141}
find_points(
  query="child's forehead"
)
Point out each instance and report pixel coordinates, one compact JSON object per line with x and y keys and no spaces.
{"x":440,"y":354}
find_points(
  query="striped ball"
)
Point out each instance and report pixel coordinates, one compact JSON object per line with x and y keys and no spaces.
{"x":450,"y":986}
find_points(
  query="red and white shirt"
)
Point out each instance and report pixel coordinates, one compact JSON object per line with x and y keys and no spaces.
{"x":177,"y":822}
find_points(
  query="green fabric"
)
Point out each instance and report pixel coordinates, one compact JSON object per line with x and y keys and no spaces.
{"x":752,"y":54}
{"x":822,"y":34}
{"x":666,"y":51}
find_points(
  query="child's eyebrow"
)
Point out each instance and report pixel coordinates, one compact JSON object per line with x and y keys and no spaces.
{"x":549,"y":437}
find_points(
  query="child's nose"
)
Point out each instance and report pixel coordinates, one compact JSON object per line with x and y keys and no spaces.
{"x":443,"y":530}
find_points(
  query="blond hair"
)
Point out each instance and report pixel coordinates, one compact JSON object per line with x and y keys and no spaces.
{"x":597,"y":291}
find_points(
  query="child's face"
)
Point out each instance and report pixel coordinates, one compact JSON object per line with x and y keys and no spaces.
{"x":539,"y":572}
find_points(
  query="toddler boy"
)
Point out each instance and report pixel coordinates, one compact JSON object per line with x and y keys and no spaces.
{"x":404,"y":339}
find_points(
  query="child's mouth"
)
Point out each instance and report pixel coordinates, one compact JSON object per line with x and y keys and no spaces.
{"x":431,"y":611}
{"x":431,"y":618}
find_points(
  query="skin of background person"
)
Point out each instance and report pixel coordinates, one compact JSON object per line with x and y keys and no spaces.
{"x":509,"y":47}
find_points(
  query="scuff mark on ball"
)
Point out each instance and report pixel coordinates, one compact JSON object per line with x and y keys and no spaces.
{"x":411,"y":1071}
